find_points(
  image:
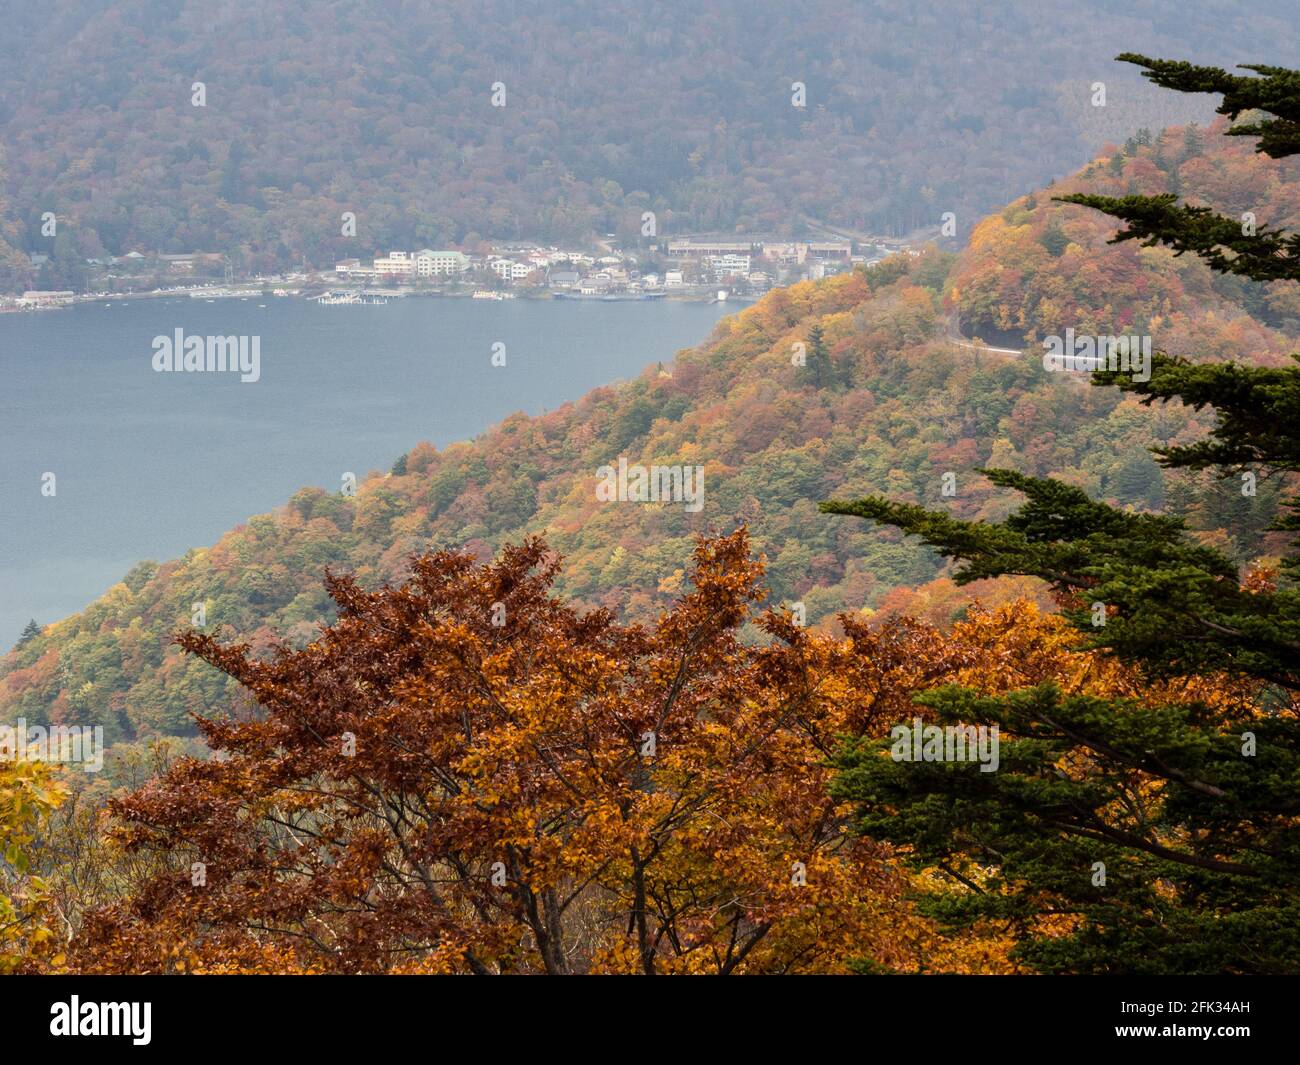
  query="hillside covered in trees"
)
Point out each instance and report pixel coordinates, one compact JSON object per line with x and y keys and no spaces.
{"x":1032,"y":272}
{"x":886,"y":403}
{"x":610,"y":109}
{"x":458,"y":751}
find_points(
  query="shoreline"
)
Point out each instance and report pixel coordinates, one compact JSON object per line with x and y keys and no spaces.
{"x":302,"y":294}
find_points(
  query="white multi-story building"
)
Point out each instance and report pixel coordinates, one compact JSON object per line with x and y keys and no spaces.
{"x":727,"y":265}
{"x":429,"y":263}
{"x":509,"y":270}
{"x":395,"y":264}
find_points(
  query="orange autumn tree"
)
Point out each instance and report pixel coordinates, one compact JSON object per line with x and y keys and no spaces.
{"x":465,"y":773}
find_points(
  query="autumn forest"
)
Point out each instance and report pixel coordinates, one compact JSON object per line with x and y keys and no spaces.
{"x":961,"y":666}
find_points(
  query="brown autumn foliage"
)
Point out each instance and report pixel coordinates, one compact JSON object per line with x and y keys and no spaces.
{"x":466,"y":774}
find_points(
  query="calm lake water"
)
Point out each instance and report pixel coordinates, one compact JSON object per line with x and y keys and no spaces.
{"x":150,"y":464}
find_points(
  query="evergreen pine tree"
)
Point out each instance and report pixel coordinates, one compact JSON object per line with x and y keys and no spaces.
{"x":1133,"y":835}
{"x":30,"y":631}
{"x":819,"y":359}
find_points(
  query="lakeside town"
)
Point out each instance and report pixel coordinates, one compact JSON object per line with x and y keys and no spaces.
{"x":699,"y":267}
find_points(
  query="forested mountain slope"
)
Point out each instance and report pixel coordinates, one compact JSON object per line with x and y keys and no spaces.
{"x":609,"y":109}
{"x":892,"y":407}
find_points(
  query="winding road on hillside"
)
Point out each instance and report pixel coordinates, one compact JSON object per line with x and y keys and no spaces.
{"x":953,"y":333}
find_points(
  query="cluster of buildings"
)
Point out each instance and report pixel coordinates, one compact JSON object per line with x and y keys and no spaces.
{"x":776,"y":251}
{"x":688,"y":266}
{"x":760,"y":263}
{"x":180,"y":263}
{"x":507,"y":264}
{"x":699,"y":264}
{"x":406,"y":266}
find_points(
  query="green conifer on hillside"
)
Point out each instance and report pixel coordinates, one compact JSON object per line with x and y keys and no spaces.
{"x":1165,"y":837}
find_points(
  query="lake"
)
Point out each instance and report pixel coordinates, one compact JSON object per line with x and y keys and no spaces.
{"x":149,"y":464}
